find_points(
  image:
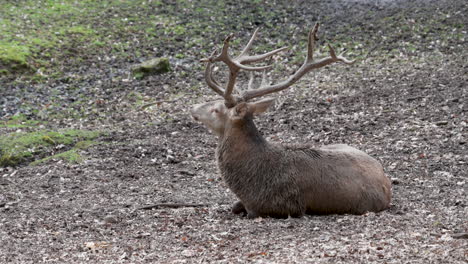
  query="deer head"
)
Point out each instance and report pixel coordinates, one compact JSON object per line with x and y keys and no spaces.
{"x":218,"y":115}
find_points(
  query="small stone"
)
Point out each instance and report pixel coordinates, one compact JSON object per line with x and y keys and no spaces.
{"x":442,"y":123}
{"x":189,"y":253}
{"x":150,"y":67}
{"x":395,"y":181}
{"x":446,"y":237}
{"x":110,"y":219}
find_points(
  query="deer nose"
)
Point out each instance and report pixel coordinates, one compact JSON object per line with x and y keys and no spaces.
{"x":194,"y":113}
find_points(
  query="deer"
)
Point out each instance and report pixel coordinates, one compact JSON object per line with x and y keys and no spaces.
{"x":289,"y":180}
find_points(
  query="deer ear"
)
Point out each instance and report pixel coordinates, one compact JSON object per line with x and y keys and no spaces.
{"x":261,"y":106}
{"x":240,"y":110}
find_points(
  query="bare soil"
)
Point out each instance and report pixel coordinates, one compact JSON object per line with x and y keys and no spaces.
{"x":404,"y":105}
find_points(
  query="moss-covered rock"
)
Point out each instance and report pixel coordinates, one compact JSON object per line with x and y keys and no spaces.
{"x":13,"y":58}
{"x":150,"y":67}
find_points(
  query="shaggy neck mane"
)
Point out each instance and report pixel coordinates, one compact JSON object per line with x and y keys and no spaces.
{"x":240,"y":138}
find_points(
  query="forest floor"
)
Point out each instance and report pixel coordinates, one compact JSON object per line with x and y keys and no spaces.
{"x":68,"y":71}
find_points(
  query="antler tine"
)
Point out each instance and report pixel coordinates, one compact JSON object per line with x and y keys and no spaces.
{"x":251,"y":79}
{"x":211,"y":57}
{"x":264,"y":82}
{"x":244,"y":58}
{"x":257,"y":58}
{"x":223,"y":56}
{"x":210,"y":81}
{"x":224,"y":53}
{"x":250,"y":68}
{"x":311,"y":42}
{"x":249,"y":44}
{"x":308,"y":66}
{"x":339,"y":57}
{"x":236,"y":63}
{"x":234,"y":67}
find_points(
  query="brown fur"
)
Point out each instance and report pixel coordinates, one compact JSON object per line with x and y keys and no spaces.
{"x":282,"y":181}
{"x":290,"y":180}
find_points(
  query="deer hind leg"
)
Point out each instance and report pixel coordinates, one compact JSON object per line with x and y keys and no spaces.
{"x":277,"y":213}
{"x":252,"y":214}
{"x":238,"y":208}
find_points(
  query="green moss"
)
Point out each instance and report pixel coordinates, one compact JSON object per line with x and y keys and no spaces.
{"x":8,"y":159}
{"x":41,"y":37}
{"x":179,"y":30}
{"x":154,"y":66}
{"x":13,"y":56}
{"x":85,"y":144}
{"x":79,"y":30}
{"x":71,"y":156}
{"x":40,"y":42}
{"x":20,"y":121}
{"x":18,"y":148}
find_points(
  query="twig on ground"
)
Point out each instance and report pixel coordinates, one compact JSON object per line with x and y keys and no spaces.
{"x":169,"y":205}
{"x":460,"y":235}
{"x":143,"y":107}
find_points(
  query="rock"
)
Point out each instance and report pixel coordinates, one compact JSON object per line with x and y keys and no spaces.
{"x":460,"y":236}
{"x":110,"y":219}
{"x":150,"y":67}
{"x":441,"y":123}
{"x":395,"y":181}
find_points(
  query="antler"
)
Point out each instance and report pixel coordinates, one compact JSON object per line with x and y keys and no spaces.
{"x":238,"y":63}
{"x":308,"y":66}
{"x":235,"y":65}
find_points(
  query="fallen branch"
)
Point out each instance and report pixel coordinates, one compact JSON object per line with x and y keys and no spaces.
{"x":169,"y":205}
{"x":158,"y":103}
{"x":460,"y":236}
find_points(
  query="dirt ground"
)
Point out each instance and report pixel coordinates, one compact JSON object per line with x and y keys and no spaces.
{"x":404,"y":102}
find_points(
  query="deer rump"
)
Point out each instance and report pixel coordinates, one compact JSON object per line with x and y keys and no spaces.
{"x":292,"y":180}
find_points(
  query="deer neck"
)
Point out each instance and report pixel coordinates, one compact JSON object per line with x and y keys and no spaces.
{"x":241,"y":139}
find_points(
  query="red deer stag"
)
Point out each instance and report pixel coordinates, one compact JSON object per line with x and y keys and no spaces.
{"x":284,"y":180}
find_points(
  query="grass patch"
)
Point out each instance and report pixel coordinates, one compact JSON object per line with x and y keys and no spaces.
{"x":71,"y":156}
{"x":20,"y":147}
{"x":13,"y":56}
{"x":20,"y":121}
